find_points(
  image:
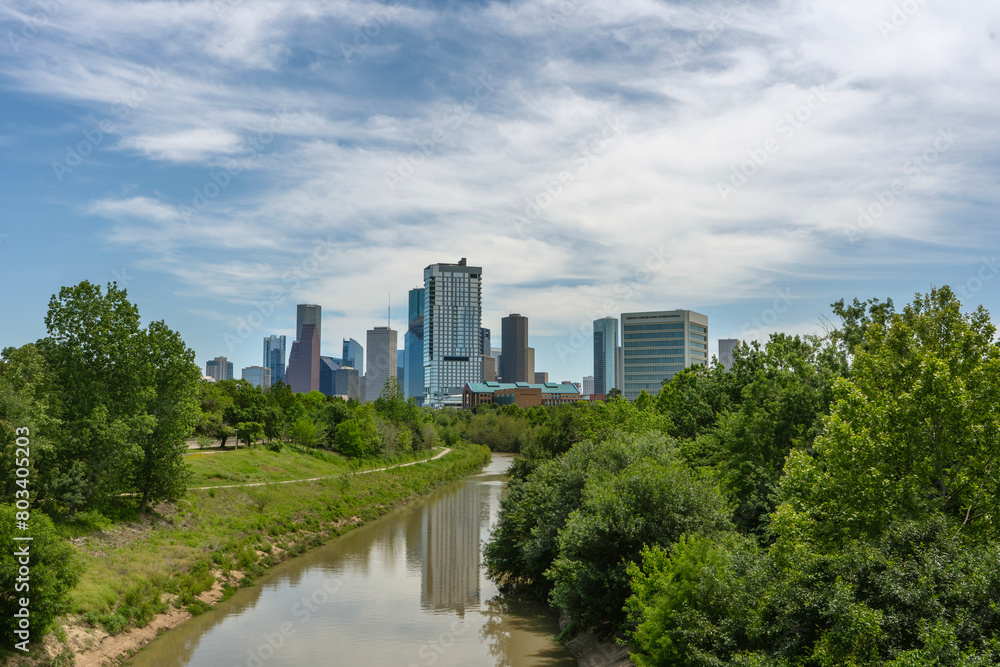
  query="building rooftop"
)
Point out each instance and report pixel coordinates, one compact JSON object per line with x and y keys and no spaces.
{"x":547,"y":388}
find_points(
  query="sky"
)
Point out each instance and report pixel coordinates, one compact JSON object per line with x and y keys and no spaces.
{"x":753,"y":161}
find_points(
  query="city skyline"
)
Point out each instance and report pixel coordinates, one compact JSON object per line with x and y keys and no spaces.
{"x":225,"y":162}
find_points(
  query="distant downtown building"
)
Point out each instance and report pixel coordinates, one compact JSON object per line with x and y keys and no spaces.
{"x":658,"y":344}
{"x":381,"y":360}
{"x":541,"y":378}
{"x":308,"y":313}
{"x":453,"y":301}
{"x":514,"y":344}
{"x":258,"y":376}
{"x":354,"y":356}
{"x":302,"y":374}
{"x":335,"y":380}
{"x":274,"y":357}
{"x":726,"y":347}
{"x":606,"y":346}
{"x":413,"y":347}
{"x":219,"y":369}
{"x":588,"y":385}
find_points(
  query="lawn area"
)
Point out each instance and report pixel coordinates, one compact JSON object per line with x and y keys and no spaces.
{"x":260,"y":464}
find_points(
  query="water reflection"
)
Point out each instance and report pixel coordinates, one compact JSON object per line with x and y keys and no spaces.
{"x":405,"y":590}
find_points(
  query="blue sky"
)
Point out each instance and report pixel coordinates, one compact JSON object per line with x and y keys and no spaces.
{"x":753,"y":161}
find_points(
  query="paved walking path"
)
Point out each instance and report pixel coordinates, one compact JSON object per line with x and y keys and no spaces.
{"x":314,"y":479}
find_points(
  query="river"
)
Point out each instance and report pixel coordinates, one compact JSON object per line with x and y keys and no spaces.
{"x":407,"y":589}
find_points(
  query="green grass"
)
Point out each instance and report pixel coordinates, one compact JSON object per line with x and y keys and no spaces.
{"x":262,"y":465}
{"x":242,"y":530}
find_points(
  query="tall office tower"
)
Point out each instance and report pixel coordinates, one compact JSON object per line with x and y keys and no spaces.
{"x":514,"y":359}
{"x":258,"y":376}
{"x":621,"y":368}
{"x":413,"y":347}
{"x":541,"y":378}
{"x":302,"y":374}
{"x":658,"y":344}
{"x":328,"y":367}
{"x":589,"y":384}
{"x":219,"y":369}
{"x":307,"y":313}
{"x":354,"y":356}
{"x":495,"y":353}
{"x":453,"y":306}
{"x":484,"y":340}
{"x":274,"y":357}
{"x":726,"y":347}
{"x":606,"y":355}
{"x":530,"y":371}
{"x":381,"y":360}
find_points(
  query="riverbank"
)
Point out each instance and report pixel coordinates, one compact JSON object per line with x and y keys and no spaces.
{"x":144,"y":577}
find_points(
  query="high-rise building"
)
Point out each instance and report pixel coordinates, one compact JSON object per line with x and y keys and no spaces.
{"x":530,"y":356}
{"x":354,"y":356}
{"x":514,"y":343}
{"x":381,"y":360}
{"x":413,"y":347}
{"x":726,"y":347}
{"x":658,"y":344}
{"x":453,"y":301}
{"x":302,"y":374}
{"x":307,"y":313}
{"x":484,"y":340}
{"x":589,"y":385}
{"x":219,"y":369}
{"x":605,"y":355}
{"x":258,"y":376}
{"x":541,"y":378}
{"x":489,"y":369}
{"x":274,"y":357}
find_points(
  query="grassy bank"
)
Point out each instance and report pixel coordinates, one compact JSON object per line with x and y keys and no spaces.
{"x":224,"y":538}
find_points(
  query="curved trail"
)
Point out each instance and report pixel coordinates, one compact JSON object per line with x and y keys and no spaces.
{"x":314,"y":479}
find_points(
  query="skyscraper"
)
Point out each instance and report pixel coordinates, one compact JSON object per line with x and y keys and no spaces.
{"x":258,"y":376}
{"x":658,"y":344}
{"x":302,"y":374}
{"x":354,"y":356}
{"x":514,"y":343}
{"x":726,"y":347}
{"x":453,"y":301}
{"x":588,"y":386}
{"x":381,"y":360}
{"x":484,"y":340}
{"x":219,"y":369}
{"x":274,"y":357}
{"x":307,"y":313}
{"x":605,"y":355}
{"x":413,"y":347}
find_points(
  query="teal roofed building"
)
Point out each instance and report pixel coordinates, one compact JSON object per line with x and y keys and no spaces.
{"x":522,"y":394}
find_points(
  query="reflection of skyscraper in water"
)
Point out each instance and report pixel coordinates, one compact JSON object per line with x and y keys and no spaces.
{"x":449,"y":540}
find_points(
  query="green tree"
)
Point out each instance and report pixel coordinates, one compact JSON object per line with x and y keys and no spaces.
{"x":359,"y":437}
{"x":215,"y":403}
{"x":53,"y":573}
{"x":644,"y":401}
{"x":914,"y":432}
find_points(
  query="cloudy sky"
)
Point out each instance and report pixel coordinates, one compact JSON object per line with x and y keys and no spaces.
{"x":750,"y":160}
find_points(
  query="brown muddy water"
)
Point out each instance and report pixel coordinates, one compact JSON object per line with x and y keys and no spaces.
{"x":407,"y":590}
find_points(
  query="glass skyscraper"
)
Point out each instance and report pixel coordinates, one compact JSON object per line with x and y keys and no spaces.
{"x":453,"y":303}
{"x":413,"y":348}
{"x":354,"y":356}
{"x":274,"y":357}
{"x":605,"y":355}
{"x":658,"y":344}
